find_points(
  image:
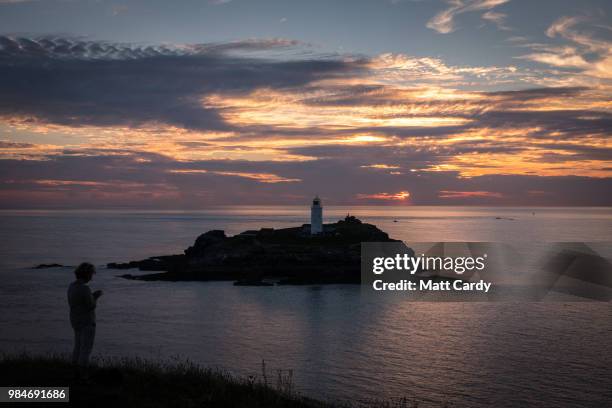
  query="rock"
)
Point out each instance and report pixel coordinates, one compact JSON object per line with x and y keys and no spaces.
{"x":292,"y":255}
{"x":45,"y":266}
{"x":250,"y":282}
{"x":158,"y":263}
{"x":205,"y":240}
{"x":126,"y":265}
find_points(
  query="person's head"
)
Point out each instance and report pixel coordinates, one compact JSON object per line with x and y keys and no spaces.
{"x":85,"y":271}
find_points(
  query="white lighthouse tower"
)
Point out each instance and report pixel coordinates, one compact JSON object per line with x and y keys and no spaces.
{"x":316,"y":217}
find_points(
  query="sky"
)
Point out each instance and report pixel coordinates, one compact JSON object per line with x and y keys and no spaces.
{"x":189,"y":104}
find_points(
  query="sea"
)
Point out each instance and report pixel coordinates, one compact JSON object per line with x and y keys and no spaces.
{"x":335,"y":341}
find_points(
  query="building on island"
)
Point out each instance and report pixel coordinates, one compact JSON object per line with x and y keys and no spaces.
{"x":316,"y":228}
{"x":315,"y":232}
{"x":316,"y":217}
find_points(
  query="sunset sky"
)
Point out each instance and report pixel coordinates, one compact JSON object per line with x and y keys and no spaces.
{"x":187,"y":104}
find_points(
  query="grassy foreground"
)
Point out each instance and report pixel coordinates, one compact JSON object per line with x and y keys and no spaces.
{"x":139,"y":383}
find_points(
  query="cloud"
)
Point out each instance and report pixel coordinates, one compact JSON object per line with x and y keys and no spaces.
{"x":15,"y":1}
{"x":6,"y":144}
{"x":119,"y":84}
{"x":562,"y":25}
{"x":90,"y":123}
{"x":392,"y":68}
{"x":469,"y":194}
{"x":583,"y":51}
{"x":117,"y":9}
{"x":499,"y":19}
{"x":260,"y":177}
{"x":380,"y":166}
{"x":399,"y":196}
{"x":539,"y":93}
{"x":444,"y":21}
{"x":139,"y":180}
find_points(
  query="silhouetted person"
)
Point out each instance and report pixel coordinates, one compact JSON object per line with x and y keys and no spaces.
{"x":83,"y":317}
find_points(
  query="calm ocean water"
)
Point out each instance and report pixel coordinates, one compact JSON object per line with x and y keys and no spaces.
{"x":339,"y":342}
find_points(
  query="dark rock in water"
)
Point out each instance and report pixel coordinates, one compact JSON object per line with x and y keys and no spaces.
{"x":125,"y":265}
{"x":290,"y":254}
{"x":252,"y":282}
{"x":45,"y":266}
{"x":151,"y":277}
{"x":205,"y":240}
{"x":157,"y":263}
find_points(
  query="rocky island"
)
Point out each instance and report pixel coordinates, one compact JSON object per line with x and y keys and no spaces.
{"x":289,"y":255}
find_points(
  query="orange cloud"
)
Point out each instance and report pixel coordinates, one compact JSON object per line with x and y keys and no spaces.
{"x":468,"y":194}
{"x":400,"y":196}
{"x":380,"y":166}
{"x":260,"y":177}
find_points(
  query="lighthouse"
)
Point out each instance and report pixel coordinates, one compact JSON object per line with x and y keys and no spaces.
{"x":316,"y":217}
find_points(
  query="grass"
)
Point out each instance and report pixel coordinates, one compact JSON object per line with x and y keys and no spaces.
{"x":136,"y":383}
{"x":141,"y":383}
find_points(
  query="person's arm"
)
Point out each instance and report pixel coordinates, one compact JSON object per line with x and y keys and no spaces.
{"x":89,"y":299}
